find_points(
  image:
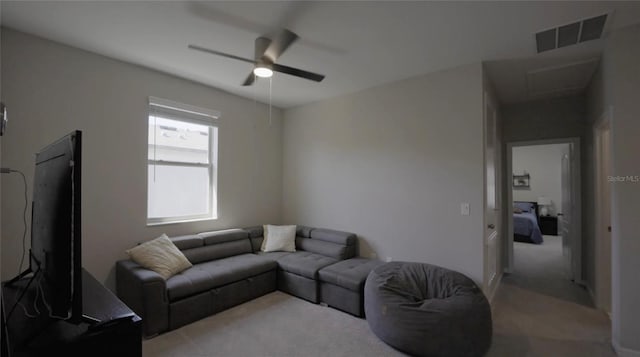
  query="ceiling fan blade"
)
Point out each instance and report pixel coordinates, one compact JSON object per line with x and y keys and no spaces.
{"x":279,"y":44}
{"x":250,"y":79}
{"x":207,"y":50}
{"x":298,"y":72}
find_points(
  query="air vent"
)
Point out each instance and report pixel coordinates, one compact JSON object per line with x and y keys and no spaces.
{"x":546,"y":40}
{"x":568,"y":35}
{"x":571,"y":34}
{"x":592,"y":28}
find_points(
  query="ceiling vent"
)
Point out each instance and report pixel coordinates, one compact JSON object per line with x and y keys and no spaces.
{"x":571,"y":34}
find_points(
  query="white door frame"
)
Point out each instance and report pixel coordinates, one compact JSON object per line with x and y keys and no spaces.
{"x":576,"y":224}
{"x":602,"y":283}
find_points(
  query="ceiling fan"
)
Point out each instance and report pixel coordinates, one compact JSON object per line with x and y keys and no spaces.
{"x":266,"y":52}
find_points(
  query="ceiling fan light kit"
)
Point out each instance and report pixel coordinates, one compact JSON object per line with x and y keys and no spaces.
{"x":262,"y":71}
{"x":266,"y":52}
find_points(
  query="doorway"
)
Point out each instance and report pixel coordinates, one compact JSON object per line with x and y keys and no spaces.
{"x":543,"y":218}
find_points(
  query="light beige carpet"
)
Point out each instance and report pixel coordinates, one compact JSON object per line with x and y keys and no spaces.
{"x":537,"y":311}
{"x":530,"y":319}
{"x":540,"y":268}
{"x":527,"y":323}
{"x":276,"y":324}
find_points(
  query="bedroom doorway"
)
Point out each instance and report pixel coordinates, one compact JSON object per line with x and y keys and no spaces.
{"x":544,"y":230}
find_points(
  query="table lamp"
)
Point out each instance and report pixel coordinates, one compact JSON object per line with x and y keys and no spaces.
{"x":543,"y":202}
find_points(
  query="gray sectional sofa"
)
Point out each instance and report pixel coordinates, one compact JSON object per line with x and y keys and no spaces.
{"x":229,"y":269}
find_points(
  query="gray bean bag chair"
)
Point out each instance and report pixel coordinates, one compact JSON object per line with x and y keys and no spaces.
{"x":426,"y":310}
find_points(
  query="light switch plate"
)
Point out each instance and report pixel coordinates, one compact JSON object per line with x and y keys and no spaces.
{"x":464,"y":208}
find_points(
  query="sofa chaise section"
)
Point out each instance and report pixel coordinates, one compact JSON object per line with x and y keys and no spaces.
{"x":316,"y":248}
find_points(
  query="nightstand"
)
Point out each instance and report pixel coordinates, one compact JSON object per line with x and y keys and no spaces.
{"x":549,"y":225}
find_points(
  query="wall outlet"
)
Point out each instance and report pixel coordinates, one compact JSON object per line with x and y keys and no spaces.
{"x":464,"y":208}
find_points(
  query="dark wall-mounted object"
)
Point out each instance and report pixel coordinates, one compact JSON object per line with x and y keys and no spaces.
{"x":3,"y":118}
{"x":521,"y":181}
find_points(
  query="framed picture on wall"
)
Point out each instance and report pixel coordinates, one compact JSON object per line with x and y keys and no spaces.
{"x":521,"y":181}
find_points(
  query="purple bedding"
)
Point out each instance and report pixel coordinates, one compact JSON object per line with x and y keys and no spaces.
{"x":525,"y":224}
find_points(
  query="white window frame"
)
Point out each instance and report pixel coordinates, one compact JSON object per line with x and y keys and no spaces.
{"x":172,"y":110}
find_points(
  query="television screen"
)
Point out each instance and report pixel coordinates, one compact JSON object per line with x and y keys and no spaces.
{"x":55,"y":227}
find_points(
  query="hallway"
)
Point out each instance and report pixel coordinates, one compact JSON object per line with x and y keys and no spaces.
{"x":540,"y":268}
{"x":537,"y":312}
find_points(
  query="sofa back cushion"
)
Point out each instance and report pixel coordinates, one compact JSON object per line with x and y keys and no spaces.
{"x":327,"y":242}
{"x":334,"y":244}
{"x":187,"y":241}
{"x":218,"y":245}
{"x":328,"y":249}
{"x":256,"y":235}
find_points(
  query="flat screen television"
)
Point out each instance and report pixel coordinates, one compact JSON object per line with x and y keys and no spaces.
{"x":56,"y":254}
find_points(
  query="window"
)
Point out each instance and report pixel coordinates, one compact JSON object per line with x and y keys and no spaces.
{"x":182,"y":162}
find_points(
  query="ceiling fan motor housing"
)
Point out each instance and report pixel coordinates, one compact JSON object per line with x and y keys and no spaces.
{"x":261,"y":47}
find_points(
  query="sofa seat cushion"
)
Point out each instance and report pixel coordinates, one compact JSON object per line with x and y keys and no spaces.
{"x":349,"y":274}
{"x":305,"y":264}
{"x":273,"y":255}
{"x":208,"y":275}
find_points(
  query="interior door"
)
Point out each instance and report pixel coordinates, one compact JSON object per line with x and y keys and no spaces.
{"x":490,"y":214}
{"x":564,"y":217}
{"x":603,"y":218}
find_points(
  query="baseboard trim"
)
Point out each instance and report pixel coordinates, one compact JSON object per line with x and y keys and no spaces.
{"x":624,"y":352}
{"x":593,"y":295}
{"x":492,"y":292}
{"x":582,"y":283}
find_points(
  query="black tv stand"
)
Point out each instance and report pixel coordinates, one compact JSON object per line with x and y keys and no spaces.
{"x":108,"y":328}
{"x":90,"y":320}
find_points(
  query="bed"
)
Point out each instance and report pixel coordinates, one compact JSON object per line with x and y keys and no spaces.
{"x":526,"y":223}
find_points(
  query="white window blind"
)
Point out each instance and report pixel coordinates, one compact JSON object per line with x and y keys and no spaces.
{"x":182,"y":162}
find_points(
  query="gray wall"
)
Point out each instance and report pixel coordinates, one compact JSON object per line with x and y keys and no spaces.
{"x":53,"y":89}
{"x":393,"y":163}
{"x":553,"y":118}
{"x":620,"y":89}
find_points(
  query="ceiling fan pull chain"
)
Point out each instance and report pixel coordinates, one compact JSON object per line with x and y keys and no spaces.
{"x":255,"y":91}
{"x":270,"y":81}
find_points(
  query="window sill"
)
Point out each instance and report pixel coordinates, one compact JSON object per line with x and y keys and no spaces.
{"x":153,"y":224}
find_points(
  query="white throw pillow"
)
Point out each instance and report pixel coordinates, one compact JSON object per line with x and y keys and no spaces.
{"x":161,"y":256}
{"x":279,"y":238}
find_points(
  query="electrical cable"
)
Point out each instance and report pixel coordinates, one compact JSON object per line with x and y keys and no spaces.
{"x":35,"y":274}
{"x":44,"y":300}
{"x":24,"y":221}
{"x":270,"y":81}
{"x":24,"y":248}
{"x":6,"y":170}
{"x":35,"y":302}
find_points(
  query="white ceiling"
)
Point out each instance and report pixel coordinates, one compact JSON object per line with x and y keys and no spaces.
{"x":357,"y":45}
